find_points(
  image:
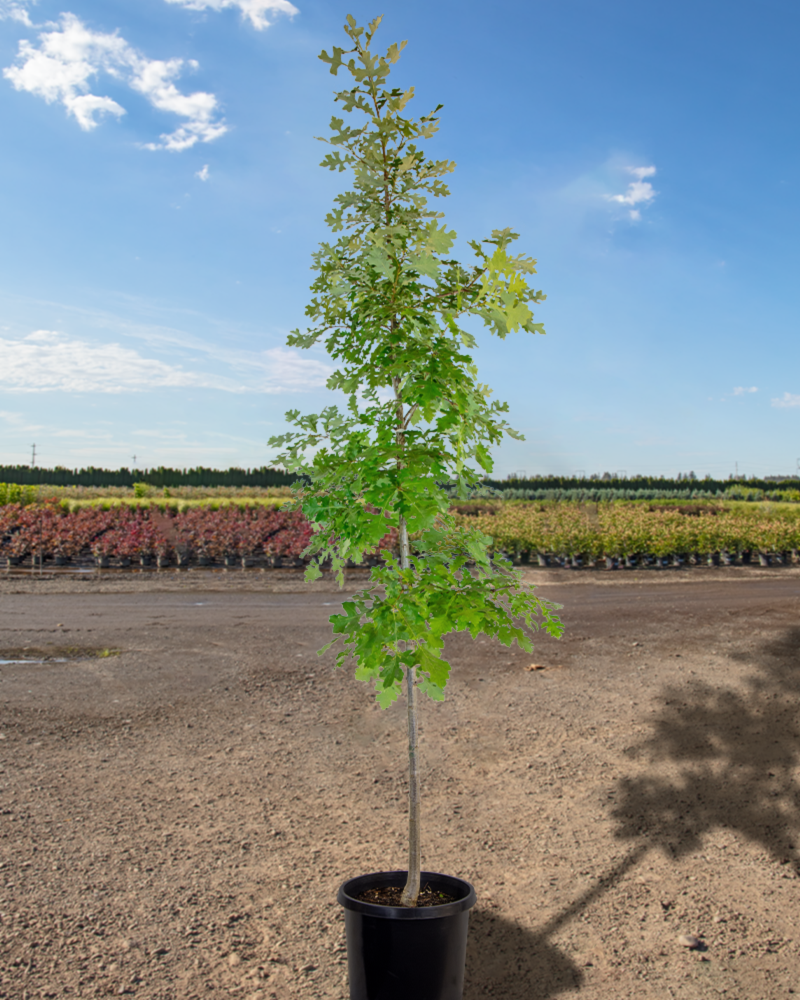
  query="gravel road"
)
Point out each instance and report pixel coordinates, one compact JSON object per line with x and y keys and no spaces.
{"x":176,"y":816}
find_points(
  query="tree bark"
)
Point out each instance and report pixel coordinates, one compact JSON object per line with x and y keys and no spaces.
{"x":412,"y":886}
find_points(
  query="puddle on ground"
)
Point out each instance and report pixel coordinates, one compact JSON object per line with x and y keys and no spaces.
{"x":61,"y":659}
{"x":21,"y":655}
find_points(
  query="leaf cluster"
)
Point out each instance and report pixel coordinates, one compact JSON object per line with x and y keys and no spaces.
{"x":388,"y":303}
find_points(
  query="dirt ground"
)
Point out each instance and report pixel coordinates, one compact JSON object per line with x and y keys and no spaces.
{"x":176,"y":818}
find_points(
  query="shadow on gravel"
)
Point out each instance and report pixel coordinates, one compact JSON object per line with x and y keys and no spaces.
{"x":504,"y":959}
{"x":737,"y":755}
{"x":508,"y":961}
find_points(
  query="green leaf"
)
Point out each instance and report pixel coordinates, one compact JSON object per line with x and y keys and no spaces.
{"x":437,"y":669}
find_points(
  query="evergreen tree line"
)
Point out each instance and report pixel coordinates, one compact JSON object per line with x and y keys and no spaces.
{"x":26,"y":475}
{"x":684,"y":485}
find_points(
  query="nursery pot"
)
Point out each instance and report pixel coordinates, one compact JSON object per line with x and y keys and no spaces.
{"x":406,"y":952}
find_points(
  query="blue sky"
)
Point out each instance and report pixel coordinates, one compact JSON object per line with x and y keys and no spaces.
{"x":160,"y":199}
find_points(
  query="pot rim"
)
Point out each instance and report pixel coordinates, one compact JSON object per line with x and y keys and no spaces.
{"x":449,"y":883}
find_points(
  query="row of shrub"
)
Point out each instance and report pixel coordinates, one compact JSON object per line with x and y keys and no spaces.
{"x":228,"y":532}
{"x":601,"y":495}
{"x":19,"y":493}
{"x":617,"y":530}
{"x":124,"y":534}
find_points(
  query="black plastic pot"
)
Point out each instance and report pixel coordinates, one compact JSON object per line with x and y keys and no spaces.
{"x":406,"y":953}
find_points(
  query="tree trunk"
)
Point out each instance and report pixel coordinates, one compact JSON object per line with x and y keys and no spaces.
{"x":411,"y":889}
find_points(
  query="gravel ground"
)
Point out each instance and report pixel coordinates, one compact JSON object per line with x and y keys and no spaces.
{"x":176,"y":817}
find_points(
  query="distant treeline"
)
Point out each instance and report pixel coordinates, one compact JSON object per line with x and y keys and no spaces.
{"x":532,"y":488}
{"x":24,"y":475}
{"x":645,"y":485}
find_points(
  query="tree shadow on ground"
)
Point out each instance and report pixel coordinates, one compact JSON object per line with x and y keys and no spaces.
{"x":508,"y":961}
{"x":732,"y":759}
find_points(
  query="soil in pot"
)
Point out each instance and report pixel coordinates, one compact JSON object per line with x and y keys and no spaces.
{"x":390,"y":895}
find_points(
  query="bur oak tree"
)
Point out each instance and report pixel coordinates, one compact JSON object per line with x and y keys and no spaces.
{"x":417,"y":426}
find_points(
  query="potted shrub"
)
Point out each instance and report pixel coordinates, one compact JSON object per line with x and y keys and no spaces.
{"x":414,"y":436}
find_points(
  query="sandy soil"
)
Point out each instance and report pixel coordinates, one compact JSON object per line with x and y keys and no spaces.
{"x":175,"y":820}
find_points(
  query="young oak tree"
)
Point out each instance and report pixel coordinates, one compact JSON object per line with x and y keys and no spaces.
{"x":388,"y":301}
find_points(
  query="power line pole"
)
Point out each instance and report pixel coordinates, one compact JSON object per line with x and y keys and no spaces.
{"x":33,"y":457}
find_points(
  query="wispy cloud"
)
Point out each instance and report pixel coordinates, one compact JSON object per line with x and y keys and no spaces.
{"x":742,"y":390}
{"x":786,"y":401}
{"x":281,"y":369}
{"x":47,"y":361}
{"x":639,"y":191}
{"x":255,"y":11}
{"x":203,"y":173}
{"x":16,"y":10}
{"x":71,"y":55}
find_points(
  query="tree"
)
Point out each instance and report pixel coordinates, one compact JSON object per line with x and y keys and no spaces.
{"x":417,"y":426}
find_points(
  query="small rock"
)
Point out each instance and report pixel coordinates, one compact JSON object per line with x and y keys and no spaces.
{"x":690,"y":941}
{"x":234,"y":960}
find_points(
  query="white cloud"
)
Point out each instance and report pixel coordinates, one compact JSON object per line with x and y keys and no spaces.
{"x":46,"y":361}
{"x":203,"y":173}
{"x":285,"y":370}
{"x":71,"y":55}
{"x":741,"y":390}
{"x":16,"y":10}
{"x":639,"y":191}
{"x":786,"y":401}
{"x":255,"y":10}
